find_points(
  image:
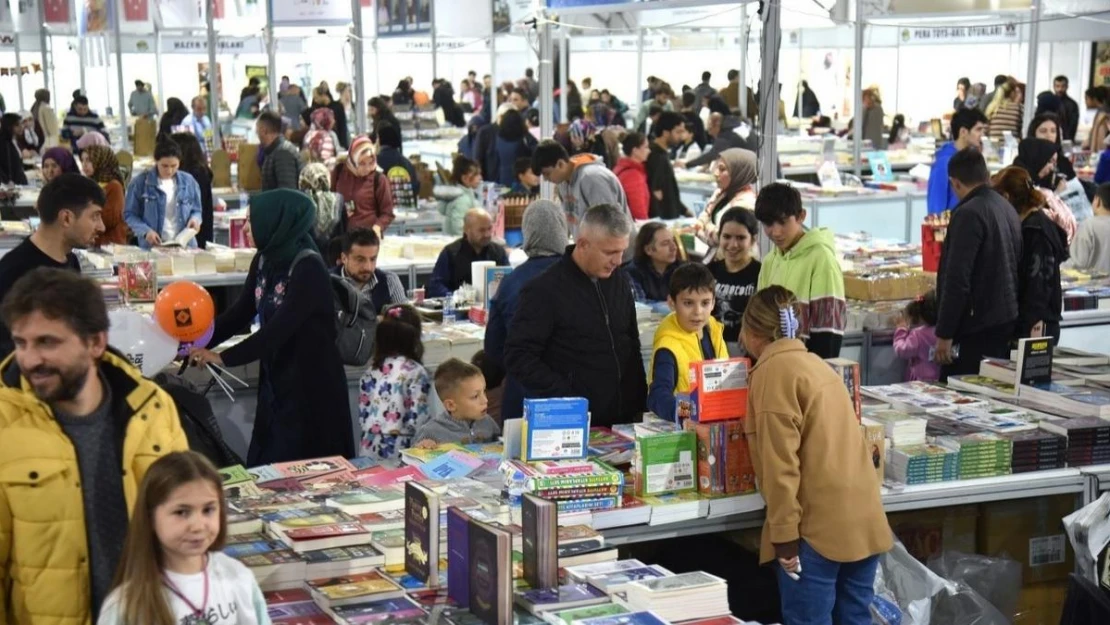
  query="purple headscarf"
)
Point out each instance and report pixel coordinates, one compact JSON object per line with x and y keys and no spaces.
{"x":64,"y":159}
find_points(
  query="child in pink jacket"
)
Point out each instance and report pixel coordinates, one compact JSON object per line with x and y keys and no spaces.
{"x":916,"y":338}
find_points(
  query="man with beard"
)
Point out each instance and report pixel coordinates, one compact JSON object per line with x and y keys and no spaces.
{"x":359,"y":266}
{"x":79,"y":427}
{"x":69,"y":208}
{"x":452,"y":267}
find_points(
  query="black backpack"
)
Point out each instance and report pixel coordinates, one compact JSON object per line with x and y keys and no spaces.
{"x":356,"y":321}
{"x":197,"y":420}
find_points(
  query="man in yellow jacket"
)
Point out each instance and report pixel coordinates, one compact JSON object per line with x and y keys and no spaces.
{"x":79,"y":427}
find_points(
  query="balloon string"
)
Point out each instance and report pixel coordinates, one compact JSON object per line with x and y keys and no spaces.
{"x":224,"y":386}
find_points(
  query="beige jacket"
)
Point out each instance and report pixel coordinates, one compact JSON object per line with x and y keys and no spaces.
{"x":811,"y":461}
{"x":48,"y":119}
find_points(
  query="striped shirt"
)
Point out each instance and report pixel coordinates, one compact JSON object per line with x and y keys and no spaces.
{"x":1007,"y":117}
{"x":87,"y":122}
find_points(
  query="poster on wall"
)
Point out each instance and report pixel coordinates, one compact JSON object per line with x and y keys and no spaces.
{"x":404,"y":17}
{"x":1100,"y":64}
{"x":310,"y":12}
{"x":262,"y":73}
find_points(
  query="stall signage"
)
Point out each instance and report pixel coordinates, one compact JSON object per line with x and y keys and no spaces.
{"x":310,"y":12}
{"x":988,"y":33}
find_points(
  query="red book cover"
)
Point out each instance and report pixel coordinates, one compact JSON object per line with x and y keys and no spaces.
{"x":326,"y":531}
{"x":395,"y":476}
{"x":278,"y":597}
{"x":136,"y":10}
{"x":56,"y":11}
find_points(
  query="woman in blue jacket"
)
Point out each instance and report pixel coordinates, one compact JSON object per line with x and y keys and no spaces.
{"x":163,"y":201}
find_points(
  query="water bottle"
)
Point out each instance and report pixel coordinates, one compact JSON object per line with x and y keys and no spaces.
{"x":449,"y":310}
{"x":515,"y":487}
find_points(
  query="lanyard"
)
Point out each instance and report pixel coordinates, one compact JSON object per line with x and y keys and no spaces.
{"x":198,"y":613}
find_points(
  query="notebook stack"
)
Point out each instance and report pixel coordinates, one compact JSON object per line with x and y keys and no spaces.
{"x":1037,"y":450}
{"x":683,"y":597}
{"x":1088,"y":439}
{"x":923,"y":464}
{"x":902,"y":429}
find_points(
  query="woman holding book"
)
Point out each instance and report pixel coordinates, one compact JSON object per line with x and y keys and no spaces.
{"x":825,"y":524}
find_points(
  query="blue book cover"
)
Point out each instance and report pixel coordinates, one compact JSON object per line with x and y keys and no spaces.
{"x":451,"y":465}
{"x":362,"y":462}
{"x":555,"y":428}
{"x":494,"y":276}
{"x":242,"y":550}
{"x":880,"y":166}
{"x":458,"y":561}
{"x":635,"y":618}
{"x":375,"y":611}
{"x":569,"y":593}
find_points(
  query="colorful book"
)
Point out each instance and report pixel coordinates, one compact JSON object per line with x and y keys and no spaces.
{"x":325,"y":537}
{"x":569,"y":596}
{"x":664,"y":463}
{"x":616,"y":581}
{"x":302,"y":469}
{"x":539,"y":522}
{"x":391,"y":477}
{"x":724,"y":461}
{"x":332,"y":592}
{"x":368,"y":500}
{"x":848,"y":371}
{"x":451,"y":465}
{"x":381,"y":611}
{"x":235,"y":474}
{"x":567,"y":617}
{"x":490,"y":571}
{"x":458,"y":544}
{"x":265,"y":473}
{"x":555,"y":428}
{"x":719,"y":389}
{"x":422,"y":533}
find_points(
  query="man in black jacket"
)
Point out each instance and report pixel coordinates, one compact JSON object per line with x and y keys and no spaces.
{"x":723,"y":132}
{"x":977,"y":285}
{"x":574,"y":333}
{"x":1069,"y":109}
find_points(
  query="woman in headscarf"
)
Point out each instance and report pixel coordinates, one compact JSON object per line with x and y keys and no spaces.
{"x":366,"y":191}
{"x":46,"y":120}
{"x":545,"y":240}
{"x":321,"y":142}
{"x":57,"y":161}
{"x":27,"y":138}
{"x":99,"y":163}
{"x":11,"y":160}
{"x":736,"y":171}
{"x":1047,"y":126}
{"x":1038,"y":158}
{"x":331,"y":217}
{"x":176,"y":112}
{"x":303,"y":410}
{"x":90,"y":139}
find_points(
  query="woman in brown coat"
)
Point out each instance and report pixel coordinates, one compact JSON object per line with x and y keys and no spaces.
{"x":99,"y":163}
{"x":825,"y":523}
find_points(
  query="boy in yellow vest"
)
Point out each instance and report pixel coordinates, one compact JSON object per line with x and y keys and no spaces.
{"x":689,"y":334}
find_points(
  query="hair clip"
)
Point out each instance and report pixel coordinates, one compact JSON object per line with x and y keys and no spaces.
{"x":788,"y":322}
{"x":394,"y":312}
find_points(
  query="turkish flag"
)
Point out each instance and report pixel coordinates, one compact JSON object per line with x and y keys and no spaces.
{"x":136,"y":10}
{"x":367,"y":3}
{"x":56,"y":11}
{"x":218,"y":9}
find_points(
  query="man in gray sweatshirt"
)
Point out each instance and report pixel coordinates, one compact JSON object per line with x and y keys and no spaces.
{"x":583,"y":180}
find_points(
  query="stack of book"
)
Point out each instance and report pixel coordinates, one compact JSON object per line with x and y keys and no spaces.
{"x":1088,"y":439}
{"x":981,"y":454}
{"x":992,"y":418}
{"x":632,"y":511}
{"x":294,"y":607}
{"x":676,"y":507}
{"x":614,"y":577}
{"x":593,"y":486}
{"x":682,"y":597}
{"x":907,"y":398}
{"x":724,"y":462}
{"x":1037,"y":450}
{"x":610,"y":447}
{"x":902,"y":429}
{"x":923,"y":464}
{"x":983,"y":385}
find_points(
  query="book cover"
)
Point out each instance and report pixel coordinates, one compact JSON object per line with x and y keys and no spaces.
{"x":310,"y":468}
{"x":724,"y":461}
{"x":555,"y":428}
{"x":451,"y":465}
{"x":848,"y":370}
{"x":493,"y":277}
{"x":665,"y":463}
{"x":542,"y":599}
{"x":567,"y":617}
{"x":685,"y":581}
{"x":317,"y":532}
{"x":390,"y":477}
{"x":633,"y":618}
{"x":577,"y":533}
{"x":343,"y":554}
{"x":380,"y":521}
{"x":271,"y":558}
{"x":385,"y":610}
{"x":1034,"y":362}
{"x":368,"y":500}
{"x":458,"y":562}
{"x":617,"y":580}
{"x":875,"y":435}
{"x":539,"y":520}
{"x":719,"y":389}
{"x":235,"y":474}
{"x":490,"y":571}
{"x":422,"y":533}
{"x":564,"y":467}
{"x":583,"y":572}
{"x":349,"y":589}
{"x":242,"y":550}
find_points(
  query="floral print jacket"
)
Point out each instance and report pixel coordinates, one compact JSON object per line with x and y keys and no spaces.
{"x":392,"y":400}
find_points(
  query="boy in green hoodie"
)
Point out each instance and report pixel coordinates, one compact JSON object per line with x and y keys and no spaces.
{"x":805,"y":263}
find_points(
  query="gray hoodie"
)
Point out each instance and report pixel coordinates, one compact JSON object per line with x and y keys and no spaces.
{"x":591,"y":183}
{"x":443,"y":428}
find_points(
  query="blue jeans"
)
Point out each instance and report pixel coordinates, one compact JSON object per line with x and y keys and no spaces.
{"x":828,"y":592}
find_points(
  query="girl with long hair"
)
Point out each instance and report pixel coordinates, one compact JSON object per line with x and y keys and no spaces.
{"x":195,"y":163}
{"x":11,"y":161}
{"x":172,"y":570}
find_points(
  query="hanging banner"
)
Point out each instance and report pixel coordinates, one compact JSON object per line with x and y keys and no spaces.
{"x":989,"y":33}
{"x":509,"y":12}
{"x":1100,"y":64}
{"x":94,"y":17}
{"x":184,"y":44}
{"x":54,"y":11}
{"x":136,"y":10}
{"x":181,"y":14}
{"x":310,"y":12}
{"x":876,"y":8}
{"x":404,"y":17}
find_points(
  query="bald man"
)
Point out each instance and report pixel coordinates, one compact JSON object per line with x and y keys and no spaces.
{"x":453,"y":265}
{"x":197,"y":121}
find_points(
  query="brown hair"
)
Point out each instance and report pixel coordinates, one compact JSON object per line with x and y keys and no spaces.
{"x":761,"y":318}
{"x":1015,"y":184}
{"x":139,"y":578}
{"x":451,"y":373}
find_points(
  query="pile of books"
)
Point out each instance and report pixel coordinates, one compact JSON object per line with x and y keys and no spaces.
{"x":682,"y":597}
{"x":982,"y":454}
{"x":574,"y":484}
{"x":902,"y":429}
{"x":1088,"y":439}
{"x":918,"y":397}
{"x":923,"y":464}
{"x":610,"y":447}
{"x":992,"y":418}
{"x":1037,"y":450}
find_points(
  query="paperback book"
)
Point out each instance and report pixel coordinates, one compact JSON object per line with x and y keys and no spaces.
{"x":490,"y":574}
{"x":422,"y":533}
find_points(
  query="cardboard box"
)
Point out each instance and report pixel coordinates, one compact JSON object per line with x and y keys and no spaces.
{"x":1030,"y":531}
{"x":718,"y":389}
{"x":887,"y":284}
{"x":926,"y":533}
{"x":665,"y":463}
{"x":1041,"y":604}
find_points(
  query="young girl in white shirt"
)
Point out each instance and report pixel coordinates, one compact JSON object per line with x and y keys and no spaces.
{"x":172,"y":572}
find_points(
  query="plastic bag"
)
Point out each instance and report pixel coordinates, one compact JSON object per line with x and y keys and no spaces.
{"x":1088,"y":530}
{"x":998,"y":580}
{"x":926,"y":598}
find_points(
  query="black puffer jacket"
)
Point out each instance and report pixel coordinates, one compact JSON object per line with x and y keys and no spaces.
{"x":977,"y":285}
{"x":1040,"y":296}
{"x":576,"y":337}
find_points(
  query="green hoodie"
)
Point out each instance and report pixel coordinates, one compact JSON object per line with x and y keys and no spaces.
{"x":811,"y":271}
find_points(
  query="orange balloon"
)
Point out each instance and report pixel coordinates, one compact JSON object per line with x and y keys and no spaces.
{"x":184,"y":310}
